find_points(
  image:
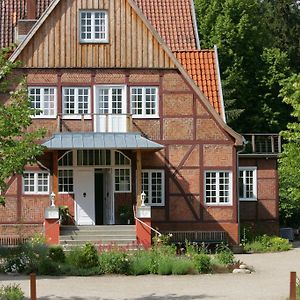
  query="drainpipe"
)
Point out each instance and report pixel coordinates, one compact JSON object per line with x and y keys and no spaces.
{"x":238,"y":188}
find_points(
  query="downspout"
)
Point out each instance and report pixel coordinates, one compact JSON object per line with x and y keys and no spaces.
{"x":238,"y":188}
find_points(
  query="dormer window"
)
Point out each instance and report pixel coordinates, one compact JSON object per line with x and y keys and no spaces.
{"x":93,"y":26}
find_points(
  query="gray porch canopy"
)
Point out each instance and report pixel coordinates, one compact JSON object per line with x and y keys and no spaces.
{"x":99,"y":140}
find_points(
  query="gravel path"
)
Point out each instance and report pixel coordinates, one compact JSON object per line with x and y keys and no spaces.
{"x":270,"y":281}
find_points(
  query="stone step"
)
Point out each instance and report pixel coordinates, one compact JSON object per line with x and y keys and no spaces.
{"x":102,"y":242}
{"x":97,"y":227}
{"x":97,"y":237}
{"x":97,"y":232}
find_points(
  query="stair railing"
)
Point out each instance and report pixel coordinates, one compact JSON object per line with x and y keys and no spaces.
{"x":145,"y":224}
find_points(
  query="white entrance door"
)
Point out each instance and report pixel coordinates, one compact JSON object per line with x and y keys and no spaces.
{"x":84,"y":197}
{"x":110,"y":108}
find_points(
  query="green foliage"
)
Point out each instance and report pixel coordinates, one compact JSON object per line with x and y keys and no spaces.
{"x":11,"y":292}
{"x":266,"y":243}
{"x":259,"y":44}
{"x":114,"y":262}
{"x":224,"y":255}
{"x":183,"y":266}
{"x":163,"y":239}
{"x":140,"y":263}
{"x":17,"y":146}
{"x":57,"y":254}
{"x":86,"y":257}
{"x":289,"y":171}
{"x":202,"y":262}
{"x":165,"y":265}
{"x":64,"y":215}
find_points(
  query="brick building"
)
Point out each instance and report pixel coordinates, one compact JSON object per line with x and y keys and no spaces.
{"x":131,"y":104}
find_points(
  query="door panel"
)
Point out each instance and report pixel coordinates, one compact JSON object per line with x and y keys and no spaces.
{"x":99,"y":198}
{"x":84,"y":197}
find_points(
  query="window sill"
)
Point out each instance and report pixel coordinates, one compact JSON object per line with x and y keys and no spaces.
{"x":248,"y":200}
{"x":218,"y":204}
{"x":145,"y":117}
{"x":84,"y":42}
{"x":36,"y":194}
{"x":76,"y":117}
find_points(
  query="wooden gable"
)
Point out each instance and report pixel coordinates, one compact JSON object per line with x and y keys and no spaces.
{"x":131,"y":43}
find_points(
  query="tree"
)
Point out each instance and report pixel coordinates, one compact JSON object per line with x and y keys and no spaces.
{"x":251,"y":62}
{"x":289,"y":161}
{"x":18,"y":146}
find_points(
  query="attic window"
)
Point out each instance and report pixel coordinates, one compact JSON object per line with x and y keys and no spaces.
{"x":93,"y":26}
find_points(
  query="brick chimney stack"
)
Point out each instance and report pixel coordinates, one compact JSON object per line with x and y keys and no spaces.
{"x":31,"y":9}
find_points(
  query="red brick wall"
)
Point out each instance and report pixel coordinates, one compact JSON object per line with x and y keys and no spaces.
{"x":193,"y":140}
{"x":263,"y":214}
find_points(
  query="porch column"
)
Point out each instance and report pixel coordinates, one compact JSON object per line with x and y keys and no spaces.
{"x":55,"y":173}
{"x":138,"y":178}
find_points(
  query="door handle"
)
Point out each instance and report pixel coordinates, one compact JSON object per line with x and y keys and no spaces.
{"x":84,"y":195}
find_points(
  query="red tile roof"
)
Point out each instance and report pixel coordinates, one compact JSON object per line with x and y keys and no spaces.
{"x":10,"y":12}
{"x":201,"y":66}
{"x":173,"y":20}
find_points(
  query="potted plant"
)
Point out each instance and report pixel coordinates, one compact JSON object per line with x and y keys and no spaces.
{"x":125,"y":214}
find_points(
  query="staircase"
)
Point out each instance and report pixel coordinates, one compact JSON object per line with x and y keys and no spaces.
{"x":103,"y":236}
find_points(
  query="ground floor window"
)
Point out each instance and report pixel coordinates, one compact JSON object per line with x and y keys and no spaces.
{"x":122,"y":179}
{"x":247,"y":183}
{"x":153,"y":185}
{"x":218,"y":188}
{"x":65,"y":181}
{"x":36,"y":183}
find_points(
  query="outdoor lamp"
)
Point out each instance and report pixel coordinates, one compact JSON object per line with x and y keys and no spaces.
{"x":143,"y":196}
{"x":52,"y":198}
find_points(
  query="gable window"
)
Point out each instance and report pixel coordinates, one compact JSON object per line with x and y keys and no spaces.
{"x":218,"y":190}
{"x":93,"y":26}
{"x":36,"y":183}
{"x":76,"y":101}
{"x":43,"y":100}
{"x":247,"y":183}
{"x":153,"y":185}
{"x":144,"y":102}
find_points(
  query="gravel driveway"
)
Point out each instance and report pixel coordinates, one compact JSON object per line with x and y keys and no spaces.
{"x":270,"y":281}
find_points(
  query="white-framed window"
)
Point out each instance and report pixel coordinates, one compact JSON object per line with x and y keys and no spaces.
{"x":122,"y":178}
{"x":247,"y":183}
{"x":76,"y":102}
{"x":218,"y":187}
{"x":36,"y":183}
{"x":43,"y":100}
{"x":153,"y":185}
{"x":144,"y":102}
{"x":93,"y":26}
{"x":65,"y":181}
{"x":110,"y":100}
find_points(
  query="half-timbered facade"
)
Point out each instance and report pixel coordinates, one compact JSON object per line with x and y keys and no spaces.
{"x":130,"y":106}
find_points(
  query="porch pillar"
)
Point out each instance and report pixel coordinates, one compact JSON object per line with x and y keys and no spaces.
{"x":55,"y":173}
{"x":138,"y":178}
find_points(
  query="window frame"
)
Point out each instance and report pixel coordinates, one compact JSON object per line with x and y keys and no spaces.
{"x":42,"y":88}
{"x":150,"y":171}
{"x":254,"y":174}
{"x":66,"y":169}
{"x":114,"y":179}
{"x":35,"y":192}
{"x":93,"y":40}
{"x":144,"y":115}
{"x":218,"y":203}
{"x":76,"y":115}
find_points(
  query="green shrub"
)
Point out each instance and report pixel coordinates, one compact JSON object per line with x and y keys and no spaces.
{"x":70,"y":270}
{"x":165,"y":265}
{"x":114,"y":262}
{"x":48,"y":267}
{"x":267,"y":243}
{"x":57,"y":254}
{"x":224,"y":255}
{"x":86,"y":257}
{"x":183,"y":267}
{"x":11,"y":292}
{"x":202,"y":263}
{"x":140,"y":263}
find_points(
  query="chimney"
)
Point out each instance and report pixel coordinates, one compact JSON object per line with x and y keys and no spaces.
{"x":31,"y":9}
